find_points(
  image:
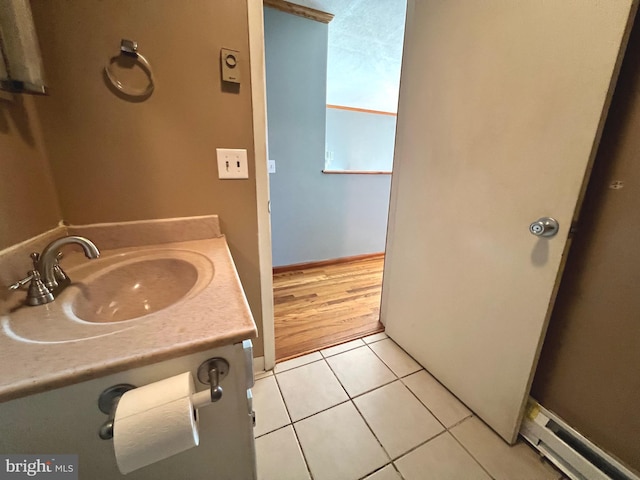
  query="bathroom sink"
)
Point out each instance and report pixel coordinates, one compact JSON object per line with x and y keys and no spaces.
{"x":114,"y":293}
{"x":136,"y":285}
{"x":134,"y":289}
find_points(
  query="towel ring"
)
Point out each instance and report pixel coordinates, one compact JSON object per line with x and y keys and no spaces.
{"x":130,"y":49}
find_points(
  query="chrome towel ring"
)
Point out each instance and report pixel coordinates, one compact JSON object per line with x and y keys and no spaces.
{"x":130,"y":49}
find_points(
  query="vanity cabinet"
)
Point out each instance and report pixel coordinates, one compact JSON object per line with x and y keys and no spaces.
{"x":66,"y":421}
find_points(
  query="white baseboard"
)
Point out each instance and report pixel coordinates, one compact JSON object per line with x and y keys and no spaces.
{"x":575,"y":455}
{"x":258,"y":364}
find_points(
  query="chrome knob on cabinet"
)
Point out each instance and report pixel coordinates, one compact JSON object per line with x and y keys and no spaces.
{"x":544,"y":227}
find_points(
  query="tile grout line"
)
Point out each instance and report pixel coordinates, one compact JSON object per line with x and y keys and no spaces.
{"x":271,"y":431}
{"x":372,"y":433}
{"x":420,"y":401}
{"x":467,"y":450}
{"x":344,"y":351}
{"x":398,"y":378}
{"x":460,"y":421}
{"x":415,"y":448}
{"x":444,"y":432}
{"x":364,"y":419}
{"x":446,"y":429}
{"x":295,"y":432}
{"x":352,"y":398}
{"x":395,"y":468}
{"x":349,"y":399}
{"x":338,"y":378}
{"x":362,"y":393}
{"x":373,"y":389}
{"x":390,"y":464}
{"x":320,"y":411}
{"x":285,"y":407}
{"x":369,"y":426}
{"x":389,"y":366}
{"x":423,"y":404}
{"x":419,"y":445}
{"x":255,"y":437}
{"x":322,"y":357}
{"x":298,"y":366}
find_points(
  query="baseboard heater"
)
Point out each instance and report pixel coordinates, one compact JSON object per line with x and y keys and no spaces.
{"x":567,"y":449}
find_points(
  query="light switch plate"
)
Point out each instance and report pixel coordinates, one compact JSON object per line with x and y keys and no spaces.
{"x":271,"y":166}
{"x":232,"y":163}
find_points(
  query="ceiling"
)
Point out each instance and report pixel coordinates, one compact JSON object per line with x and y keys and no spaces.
{"x":365,"y":51}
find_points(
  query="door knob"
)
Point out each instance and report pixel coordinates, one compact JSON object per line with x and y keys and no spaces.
{"x":544,"y":227}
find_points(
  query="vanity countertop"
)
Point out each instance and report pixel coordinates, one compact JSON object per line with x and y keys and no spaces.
{"x":41,"y":348}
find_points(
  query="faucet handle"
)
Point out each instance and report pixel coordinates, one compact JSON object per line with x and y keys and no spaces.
{"x":58,"y":273}
{"x":35,"y":256}
{"x":38,"y":293}
{"x":21,"y":283}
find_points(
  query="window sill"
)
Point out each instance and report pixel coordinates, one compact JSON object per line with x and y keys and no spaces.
{"x":356,"y":172}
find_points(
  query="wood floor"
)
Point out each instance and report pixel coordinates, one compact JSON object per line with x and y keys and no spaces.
{"x":322,"y":306}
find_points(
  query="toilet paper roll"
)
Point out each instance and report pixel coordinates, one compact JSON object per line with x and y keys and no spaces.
{"x":155,"y":394}
{"x":149,"y":436}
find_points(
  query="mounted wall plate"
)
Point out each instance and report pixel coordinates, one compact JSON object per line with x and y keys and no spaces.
{"x":232,"y":163}
{"x":229,"y":60}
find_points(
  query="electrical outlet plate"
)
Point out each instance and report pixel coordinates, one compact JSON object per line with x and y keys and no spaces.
{"x":232,"y":163}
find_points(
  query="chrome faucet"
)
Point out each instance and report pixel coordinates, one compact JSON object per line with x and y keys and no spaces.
{"x":47,"y":264}
{"x":47,"y":277}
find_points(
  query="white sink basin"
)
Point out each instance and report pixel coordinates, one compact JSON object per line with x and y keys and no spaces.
{"x":113,"y":293}
{"x":133,"y":289}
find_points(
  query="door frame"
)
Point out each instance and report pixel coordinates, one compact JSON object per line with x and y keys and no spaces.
{"x":260,"y":139}
{"x":259,"y":113}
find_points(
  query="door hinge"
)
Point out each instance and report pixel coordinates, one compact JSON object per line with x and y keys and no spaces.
{"x":573,"y":229}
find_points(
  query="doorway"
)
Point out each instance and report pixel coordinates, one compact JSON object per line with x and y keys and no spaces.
{"x":325,"y":305}
{"x":331,"y":107}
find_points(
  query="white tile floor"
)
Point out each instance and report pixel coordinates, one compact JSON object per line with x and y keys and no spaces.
{"x":367,"y":410}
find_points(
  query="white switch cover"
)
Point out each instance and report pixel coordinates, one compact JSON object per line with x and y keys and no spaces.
{"x":271,"y":166}
{"x":232,"y":163}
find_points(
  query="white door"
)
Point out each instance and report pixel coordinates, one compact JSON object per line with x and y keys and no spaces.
{"x":501,"y":106}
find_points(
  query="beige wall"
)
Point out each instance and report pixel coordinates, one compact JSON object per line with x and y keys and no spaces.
{"x":118,"y":160}
{"x":28,"y":202}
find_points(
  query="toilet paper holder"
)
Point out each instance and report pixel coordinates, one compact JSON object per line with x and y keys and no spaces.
{"x":107,"y":403}
{"x":211,"y":372}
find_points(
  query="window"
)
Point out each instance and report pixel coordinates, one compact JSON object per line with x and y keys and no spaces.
{"x":363,"y":76}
